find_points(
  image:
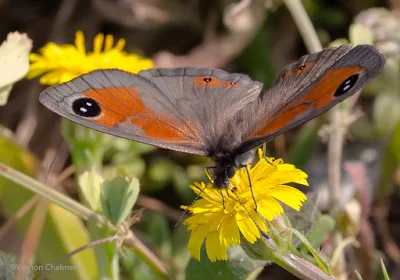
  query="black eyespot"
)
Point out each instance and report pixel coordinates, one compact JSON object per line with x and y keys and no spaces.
{"x":86,"y":107}
{"x":233,"y":83}
{"x":301,"y":67}
{"x":207,"y":80}
{"x":346,"y":85}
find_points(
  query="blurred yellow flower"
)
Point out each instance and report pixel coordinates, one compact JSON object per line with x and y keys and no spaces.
{"x":220,"y":219}
{"x":61,"y":63}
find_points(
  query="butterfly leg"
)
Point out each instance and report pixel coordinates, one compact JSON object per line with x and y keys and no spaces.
{"x":223,"y":198}
{"x":210,"y":173}
{"x":233,"y":189}
{"x":251,"y":187}
{"x":264,"y":149}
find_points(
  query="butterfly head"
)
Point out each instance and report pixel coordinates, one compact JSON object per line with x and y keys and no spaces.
{"x":226,"y":165}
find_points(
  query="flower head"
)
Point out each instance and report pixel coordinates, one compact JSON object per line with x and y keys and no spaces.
{"x":220,"y":216}
{"x":61,"y":63}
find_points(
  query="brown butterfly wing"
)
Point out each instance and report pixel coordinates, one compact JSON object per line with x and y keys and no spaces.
{"x":308,"y":88}
{"x":167,"y":108}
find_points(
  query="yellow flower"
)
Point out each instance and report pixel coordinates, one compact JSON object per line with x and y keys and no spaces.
{"x":220,"y":216}
{"x":61,"y":63}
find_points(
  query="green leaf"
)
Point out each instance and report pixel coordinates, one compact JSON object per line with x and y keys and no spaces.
{"x":384,"y":271}
{"x":62,"y":231}
{"x":322,"y":264}
{"x":90,"y":186}
{"x":238,"y":266}
{"x":323,"y":225}
{"x":118,"y":196}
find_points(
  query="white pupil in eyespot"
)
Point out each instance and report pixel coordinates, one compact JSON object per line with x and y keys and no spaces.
{"x":89,"y":103}
{"x":83,"y":109}
{"x":347,"y":83}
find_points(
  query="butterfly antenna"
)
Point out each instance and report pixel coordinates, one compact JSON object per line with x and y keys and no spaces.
{"x":233,"y":189}
{"x":187,"y":208}
{"x":251,"y":187}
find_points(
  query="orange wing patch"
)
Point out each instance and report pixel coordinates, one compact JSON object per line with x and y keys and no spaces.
{"x":323,"y":92}
{"x":281,"y":120}
{"x":117,"y":104}
{"x":320,"y":96}
{"x":206,"y":81}
{"x":230,"y":84}
{"x":304,"y":68}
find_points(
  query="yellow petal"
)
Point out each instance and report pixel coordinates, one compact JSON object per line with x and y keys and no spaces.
{"x":196,"y":240}
{"x":289,"y":195}
{"x":120,"y":45}
{"x":98,"y":43}
{"x":229,"y":232}
{"x":80,"y":42}
{"x":108,"y":42}
{"x":51,"y":78}
{"x":247,"y":227}
{"x":214,"y":248}
{"x":269,"y":208}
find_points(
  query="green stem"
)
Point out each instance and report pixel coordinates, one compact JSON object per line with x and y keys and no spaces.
{"x":299,"y":267}
{"x":52,"y":195}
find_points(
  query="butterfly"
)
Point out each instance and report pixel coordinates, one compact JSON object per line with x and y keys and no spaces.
{"x":209,"y":112}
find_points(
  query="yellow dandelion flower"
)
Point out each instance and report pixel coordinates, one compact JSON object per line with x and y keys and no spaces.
{"x":61,"y":63}
{"x":220,"y":216}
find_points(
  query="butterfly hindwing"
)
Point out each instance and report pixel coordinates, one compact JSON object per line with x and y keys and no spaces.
{"x":310,"y":87}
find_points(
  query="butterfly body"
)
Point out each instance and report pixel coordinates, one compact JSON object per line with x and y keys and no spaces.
{"x":210,"y":112}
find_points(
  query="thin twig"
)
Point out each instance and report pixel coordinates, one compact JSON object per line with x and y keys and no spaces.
{"x":158,"y":206}
{"x":78,"y":250}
